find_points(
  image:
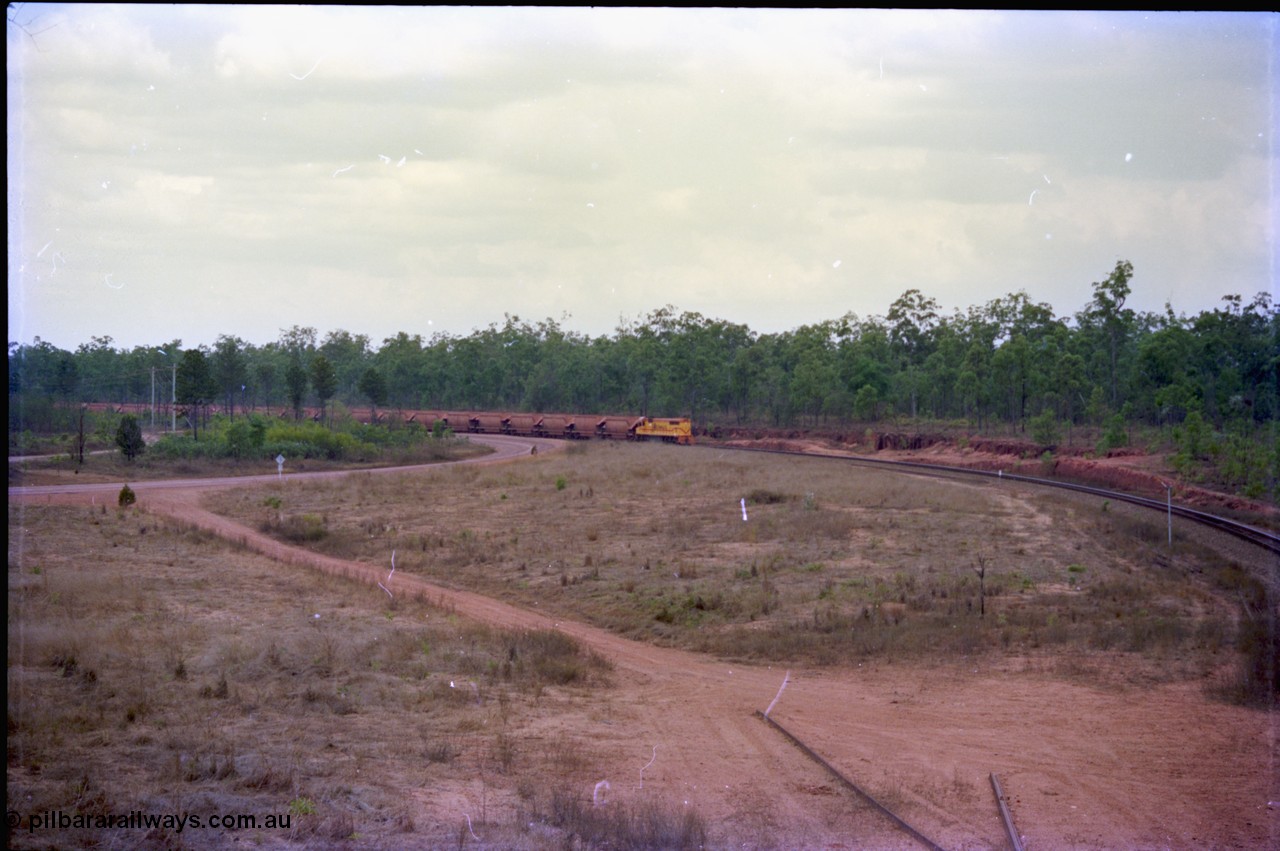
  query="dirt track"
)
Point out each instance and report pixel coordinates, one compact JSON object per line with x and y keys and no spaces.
{"x":1131,"y":767}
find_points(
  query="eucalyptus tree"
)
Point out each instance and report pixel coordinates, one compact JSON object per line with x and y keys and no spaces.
{"x":640,"y":346}
{"x":196,"y":386}
{"x":299,"y":340}
{"x":39,"y":374}
{"x":230,"y":370}
{"x":374,"y":388}
{"x":912,"y":320}
{"x":35,"y":368}
{"x":607,"y":365}
{"x":350,"y":356}
{"x":814,"y":373}
{"x":135,"y":367}
{"x":510,"y":354}
{"x":728,"y":340}
{"x":1237,"y":359}
{"x":101,"y":378}
{"x":1025,"y":342}
{"x":469,"y":372}
{"x":560,"y":376}
{"x":696,"y":352}
{"x":864,"y":362}
{"x":1106,"y":320}
{"x":266,"y":374}
{"x":746,"y":372}
{"x":324,"y":380}
{"x":66,"y":377}
{"x":1165,"y":386}
{"x":942,"y":369}
{"x":773,"y":393}
{"x":295,"y":382}
{"x":401,"y":359}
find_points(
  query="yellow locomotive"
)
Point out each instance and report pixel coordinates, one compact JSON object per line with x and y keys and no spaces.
{"x":671,"y":430}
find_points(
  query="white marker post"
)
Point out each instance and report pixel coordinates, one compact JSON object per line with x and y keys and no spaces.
{"x":279,"y":466}
{"x":781,"y":688}
{"x":744,"y":510}
{"x":389,"y":575}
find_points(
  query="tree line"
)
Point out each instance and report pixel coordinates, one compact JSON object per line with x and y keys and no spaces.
{"x":1009,"y":364}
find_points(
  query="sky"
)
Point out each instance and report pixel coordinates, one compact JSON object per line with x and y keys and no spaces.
{"x":185,"y":171}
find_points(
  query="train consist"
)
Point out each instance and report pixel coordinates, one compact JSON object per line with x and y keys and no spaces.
{"x":564,"y":426}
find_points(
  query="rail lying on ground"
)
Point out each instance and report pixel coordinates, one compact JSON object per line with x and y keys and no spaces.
{"x":879,"y":807}
{"x":1252,"y":534}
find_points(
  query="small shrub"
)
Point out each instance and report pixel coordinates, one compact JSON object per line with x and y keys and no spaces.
{"x":1113,"y":435}
{"x":127,"y":497}
{"x":297,"y":528}
{"x":129,"y":437}
{"x":761,"y":496}
{"x":1045,"y":428}
{"x":302,"y":807}
{"x":645,"y":825}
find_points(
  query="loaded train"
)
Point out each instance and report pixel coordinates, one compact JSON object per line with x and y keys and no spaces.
{"x":566,"y":426}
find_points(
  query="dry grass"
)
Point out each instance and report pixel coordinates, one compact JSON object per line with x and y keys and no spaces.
{"x":835,"y":562}
{"x":156,"y":669}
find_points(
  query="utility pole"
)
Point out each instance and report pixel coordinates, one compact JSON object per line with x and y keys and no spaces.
{"x":173,"y":405}
{"x":153,"y":398}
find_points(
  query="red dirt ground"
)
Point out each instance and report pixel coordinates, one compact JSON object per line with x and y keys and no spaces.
{"x":1128,"y":470}
{"x":1128,"y":766}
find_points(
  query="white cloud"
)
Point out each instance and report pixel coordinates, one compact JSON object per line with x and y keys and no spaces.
{"x":607,"y":161}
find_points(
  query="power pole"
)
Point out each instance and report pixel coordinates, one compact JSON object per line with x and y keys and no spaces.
{"x":173,"y":405}
{"x":153,"y":398}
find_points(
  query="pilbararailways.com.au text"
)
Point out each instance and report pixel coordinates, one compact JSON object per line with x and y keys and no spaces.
{"x":139,"y":820}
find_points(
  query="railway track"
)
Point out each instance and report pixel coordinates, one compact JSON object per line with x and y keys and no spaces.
{"x":1251,"y":534}
{"x":618,"y":427}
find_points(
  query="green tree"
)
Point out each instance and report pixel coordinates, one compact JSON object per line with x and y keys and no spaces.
{"x":101,"y":378}
{"x":1113,"y":320}
{"x":196,"y":386}
{"x":295,"y":382}
{"x":129,"y":437}
{"x":912,"y":320}
{"x":66,"y":377}
{"x":813,"y":377}
{"x":264,"y":373}
{"x":230,"y":371}
{"x":1045,"y":428}
{"x":401,"y":360}
{"x":374,"y":388}
{"x":349,"y":355}
{"x":324,"y":381}
{"x":245,"y":436}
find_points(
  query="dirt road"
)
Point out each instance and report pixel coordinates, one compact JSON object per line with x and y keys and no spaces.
{"x":1126,"y":767}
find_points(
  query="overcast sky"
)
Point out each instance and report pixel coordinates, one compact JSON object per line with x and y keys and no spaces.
{"x":190,"y":171}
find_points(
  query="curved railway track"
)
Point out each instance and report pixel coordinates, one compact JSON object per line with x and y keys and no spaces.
{"x":1251,"y":534}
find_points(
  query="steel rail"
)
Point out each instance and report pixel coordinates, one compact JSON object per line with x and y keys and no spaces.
{"x":1251,"y":534}
{"x":879,"y":807}
{"x":1014,"y":838}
